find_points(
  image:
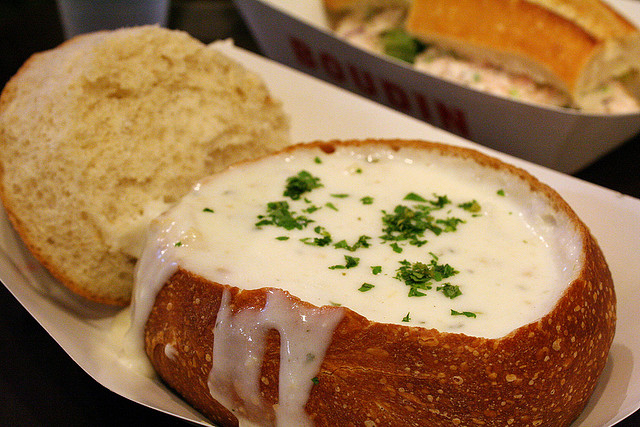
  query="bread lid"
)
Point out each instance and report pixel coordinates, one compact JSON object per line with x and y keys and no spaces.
{"x":104,"y":132}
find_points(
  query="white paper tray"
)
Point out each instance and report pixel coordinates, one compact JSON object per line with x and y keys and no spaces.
{"x":82,"y":329}
{"x":296,"y":34}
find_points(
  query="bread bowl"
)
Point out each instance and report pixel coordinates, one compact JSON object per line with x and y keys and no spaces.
{"x":217,"y":327}
{"x":102,"y":133}
{"x":569,"y":53}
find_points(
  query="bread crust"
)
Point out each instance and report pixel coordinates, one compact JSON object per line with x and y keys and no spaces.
{"x":542,"y":373}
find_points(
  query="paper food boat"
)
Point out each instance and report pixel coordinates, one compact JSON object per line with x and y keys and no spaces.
{"x":296,"y":34}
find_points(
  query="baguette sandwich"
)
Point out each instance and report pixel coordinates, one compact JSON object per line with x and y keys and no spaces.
{"x":375,"y":283}
{"x":566,"y":53}
{"x":102,"y":133}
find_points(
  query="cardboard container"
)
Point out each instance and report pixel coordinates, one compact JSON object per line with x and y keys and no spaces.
{"x":296,"y":33}
{"x":91,"y":334}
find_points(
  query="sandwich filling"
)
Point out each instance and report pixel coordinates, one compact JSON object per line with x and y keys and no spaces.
{"x":407,"y":237}
{"x":381,"y":31}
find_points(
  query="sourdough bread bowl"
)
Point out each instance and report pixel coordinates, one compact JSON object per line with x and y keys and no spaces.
{"x":402,"y":283}
{"x":102,"y":133}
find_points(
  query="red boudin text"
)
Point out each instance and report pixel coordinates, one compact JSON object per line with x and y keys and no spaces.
{"x":379,"y":89}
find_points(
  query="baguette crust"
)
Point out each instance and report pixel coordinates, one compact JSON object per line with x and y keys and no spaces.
{"x":381,"y":374}
{"x":572,"y":45}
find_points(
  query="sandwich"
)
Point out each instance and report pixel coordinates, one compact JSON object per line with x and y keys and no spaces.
{"x":579,"y":54}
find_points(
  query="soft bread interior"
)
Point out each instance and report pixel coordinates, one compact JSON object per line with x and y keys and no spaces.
{"x":102,"y":134}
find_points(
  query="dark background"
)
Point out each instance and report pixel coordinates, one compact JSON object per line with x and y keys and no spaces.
{"x":39,"y":383}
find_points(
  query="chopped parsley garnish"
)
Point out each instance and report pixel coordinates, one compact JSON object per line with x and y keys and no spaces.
{"x":376,"y":269}
{"x":450,"y":224}
{"x":177,"y":244}
{"x":407,"y":318}
{"x":208,"y":210}
{"x":278,"y":214}
{"x":463,"y":313}
{"x":415,"y":198}
{"x":410,"y":224}
{"x":472,"y":206}
{"x":500,"y":192}
{"x":318,"y":241}
{"x":331,"y":206}
{"x":300,"y":184}
{"x":339,"y":195}
{"x":366,"y":287}
{"x":311,"y":209}
{"x":317,"y":160}
{"x":362,"y":242}
{"x":420,"y":276}
{"x":315,"y":380}
{"x":449,"y":290}
{"x":282,"y":238}
{"x":367,"y":200}
{"x":350,"y":262}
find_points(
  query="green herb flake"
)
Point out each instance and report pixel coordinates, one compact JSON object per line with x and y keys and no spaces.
{"x":282,"y":238}
{"x":362,"y":242}
{"x":376,"y":269}
{"x":500,"y":192}
{"x":407,"y":318}
{"x":278,"y":214}
{"x":331,"y":206}
{"x":208,"y":210}
{"x":300,"y":184}
{"x":396,"y":248}
{"x":315,"y":380}
{"x":366,"y":287}
{"x":449,"y":290}
{"x":340,"y":195}
{"x":450,"y":224}
{"x":420,"y":276}
{"x":367,"y":200}
{"x":311,"y":209}
{"x":317,"y":160}
{"x":350,"y":262}
{"x":463,"y":313}
{"x":415,"y":198}
{"x":472,"y":206}
{"x":318,"y":241}
{"x":177,"y":244}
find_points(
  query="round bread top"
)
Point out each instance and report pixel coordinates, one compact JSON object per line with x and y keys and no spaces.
{"x":411,"y":234}
{"x":104,"y":132}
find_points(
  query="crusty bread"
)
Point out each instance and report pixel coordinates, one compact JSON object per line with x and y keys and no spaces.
{"x":573,"y":45}
{"x":374,"y":373}
{"x":100,"y":134}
